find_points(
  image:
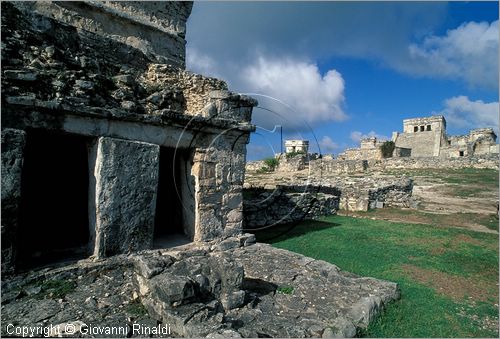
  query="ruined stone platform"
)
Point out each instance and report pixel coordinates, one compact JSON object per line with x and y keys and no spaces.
{"x":229,"y":288}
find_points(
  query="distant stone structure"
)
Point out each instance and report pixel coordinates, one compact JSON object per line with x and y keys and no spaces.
{"x":369,"y":149}
{"x":426,"y":137}
{"x":297,"y":146}
{"x":108,"y":144}
{"x":423,"y":136}
{"x":480,"y":141}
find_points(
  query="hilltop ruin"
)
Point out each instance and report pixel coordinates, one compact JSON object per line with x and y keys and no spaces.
{"x":427,"y":137}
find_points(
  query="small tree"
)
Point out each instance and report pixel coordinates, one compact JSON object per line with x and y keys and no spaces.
{"x":387,"y":148}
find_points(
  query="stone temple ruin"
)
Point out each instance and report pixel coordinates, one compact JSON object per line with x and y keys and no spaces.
{"x":297,"y":146}
{"x":426,"y":137}
{"x":104,"y":130}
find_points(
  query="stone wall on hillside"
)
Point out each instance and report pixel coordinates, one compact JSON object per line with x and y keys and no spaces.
{"x":287,"y":204}
{"x":337,"y":166}
{"x":363,"y":194}
{"x":292,"y":163}
{"x":291,"y":203}
{"x":482,"y":161}
{"x":343,"y":167}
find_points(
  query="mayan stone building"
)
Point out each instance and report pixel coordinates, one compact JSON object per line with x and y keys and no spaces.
{"x":108,"y":145}
{"x":297,"y":146}
{"x":427,"y":137}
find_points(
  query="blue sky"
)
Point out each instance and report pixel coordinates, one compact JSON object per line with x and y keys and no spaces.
{"x":339,"y":71}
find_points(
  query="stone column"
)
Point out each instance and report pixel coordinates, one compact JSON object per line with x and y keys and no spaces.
{"x":123,"y":200}
{"x":13,"y":142}
{"x":208,"y":197}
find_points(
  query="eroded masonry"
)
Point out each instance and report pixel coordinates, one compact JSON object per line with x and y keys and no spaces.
{"x":108,"y":145}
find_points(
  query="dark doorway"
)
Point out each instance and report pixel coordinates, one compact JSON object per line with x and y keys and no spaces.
{"x":169,"y":230}
{"x":53,"y":222}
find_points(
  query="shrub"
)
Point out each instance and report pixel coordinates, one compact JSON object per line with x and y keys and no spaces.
{"x":285,"y":289}
{"x":387,"y":148}
{"x":271,"y":163}
{"x":294,"y":154}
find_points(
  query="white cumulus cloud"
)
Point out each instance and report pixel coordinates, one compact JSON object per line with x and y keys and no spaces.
{"x":293,"y":93}
{"x":356,"y":136}
{"x":469,"y":52}
{"x":313,"y":97}
{"x":460,"y":111}
{"x":327,"y":145}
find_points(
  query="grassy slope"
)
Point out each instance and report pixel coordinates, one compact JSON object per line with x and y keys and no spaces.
{"x":423,"y":217}
{"x":464,"y":182}
{"x":448,"y":276}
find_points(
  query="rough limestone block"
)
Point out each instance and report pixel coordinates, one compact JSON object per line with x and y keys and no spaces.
{"x":126,"y":179}
{"x":13,"y":142}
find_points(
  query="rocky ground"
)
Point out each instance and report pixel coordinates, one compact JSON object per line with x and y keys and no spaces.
{"x":232,"y":288}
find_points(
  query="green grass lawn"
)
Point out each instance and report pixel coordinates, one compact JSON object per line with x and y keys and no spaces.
{"x":448,"y":276}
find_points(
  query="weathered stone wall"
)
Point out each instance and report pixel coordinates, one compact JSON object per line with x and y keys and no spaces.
{"x":287,"y":204}
{"x":396,"y":195}
{"x":338,"y":166}
{"x":370,"y":148}
{"x":155,"y":28}
{"x":13,"y":142}
{"x":168,"y":84}
{"x":219,"y":172}
{"x":61,"y":66}
{"x":291,"y":164}
{"x":484,"y":161}
{"x":400,"y":152}
{"x":361,"y":154}
{"x":291,"y":203}
{"x":422,"y":144}
{"x":362,"y":194}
